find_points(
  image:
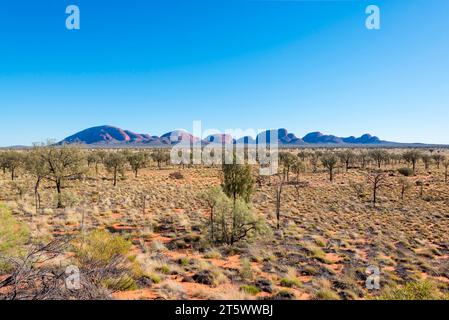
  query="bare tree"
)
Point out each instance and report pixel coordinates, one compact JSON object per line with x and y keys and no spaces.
{"x":446,"y":165}
{"x":377,"y":180}
{"x":33,"y":277}
{"x":438,"y":158}
{"x":279,"y":189}
{"x":405,"y":185}
{"x":37,"y":166}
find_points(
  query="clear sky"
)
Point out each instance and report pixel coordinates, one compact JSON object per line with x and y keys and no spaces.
{"x":154,"y":66}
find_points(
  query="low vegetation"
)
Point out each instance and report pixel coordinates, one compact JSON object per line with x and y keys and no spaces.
{"x":138,"y":227}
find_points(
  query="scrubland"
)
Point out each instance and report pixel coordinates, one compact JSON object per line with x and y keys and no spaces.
{"x":149,"y":236}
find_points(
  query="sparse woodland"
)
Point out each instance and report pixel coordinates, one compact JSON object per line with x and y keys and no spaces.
{"x":138,"y":227}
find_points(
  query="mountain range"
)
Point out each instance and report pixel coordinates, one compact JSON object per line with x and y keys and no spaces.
{"x":114,"y":136}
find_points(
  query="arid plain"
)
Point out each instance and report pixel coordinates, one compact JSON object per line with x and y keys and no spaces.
{"x":149,"y":236}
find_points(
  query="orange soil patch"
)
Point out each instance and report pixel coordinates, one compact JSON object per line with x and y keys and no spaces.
{"x":122,"y":227}
{"x":159,"y":238}
{"x":116,"y":216}
{"x":337,"y":268}
{"x":300,"y":295}
{"x":442,"y":279}
{"x":143,"y":294}
{"x":305,"y":279}
{"x":233,"y":262}
{"x":333,"y":258}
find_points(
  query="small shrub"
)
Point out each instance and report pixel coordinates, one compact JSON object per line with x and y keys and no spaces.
{"x":184,"y":261}
{"x":289,"y":282}
{"x":246,"y":271}
{"x":419,"y":290}
{"x":408,"y":172}
{"x":155,"y":278}
{"x":124,"y":283}
{"x":212,"y":254}
{"x":13,"y":236}
{"x":359,"y":189}
{"x":327,"y":294}
{"x":101,"y":246}
{"x":65,"y":199}
{"x":250,"y":289}
{"x":176,"y":175}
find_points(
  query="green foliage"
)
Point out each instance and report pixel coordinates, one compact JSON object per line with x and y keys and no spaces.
{"x":231,"y":221}
{"x":61,"y":163}
{"x":246,"y":271}
{"x":237,"y":181}
{"x":115,"y":164}
{"x":329,"y":161}
{"x":12,"y":160}
{"x":378,"y":156}
{"x":101,"y":246}
{"x":419,"y":290}
{"x":236,"y":221}
{"x":327,"y":294}
{"x":412,"y":157}
{"x":13,"y":236}
{"x":137,"y":161}
{"x":290,"y":282}
{"x":250,"y":289}
{"x":65,"y":199}
{"x":160,"y":156}
{"x":407,"y":172}
{"x":123,"y":283}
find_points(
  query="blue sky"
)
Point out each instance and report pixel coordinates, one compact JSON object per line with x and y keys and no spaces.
{"x":154,"y":66}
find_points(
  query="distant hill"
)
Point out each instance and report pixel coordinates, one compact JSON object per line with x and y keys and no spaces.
{"x":114,"y":136}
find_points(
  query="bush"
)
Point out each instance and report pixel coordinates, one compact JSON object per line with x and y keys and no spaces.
{"x":246,"y":271}
{"x":101,"y":246}
{"x":176,"y":175}
{"x":65,"y":199}
{"x":290,"y":282}
{"x":250,"y":289}
{"x":327,"y":294}
{"x":124,"y":283}
{"x":13,"y":236}
{"x":419,"y":290}
{"x":408,"y":172}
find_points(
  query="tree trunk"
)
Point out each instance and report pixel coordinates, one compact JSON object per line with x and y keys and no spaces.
{"x":278,"y":204}
{"x":212,"y":229}
{"x":37,"y":196}
{"x":58,"y":189}
{"x":115,"y":177}
{"x":12,"y":174}
{"x":234,"y":220}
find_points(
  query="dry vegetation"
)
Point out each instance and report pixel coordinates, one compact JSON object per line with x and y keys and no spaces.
{"x":139,"y":228}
